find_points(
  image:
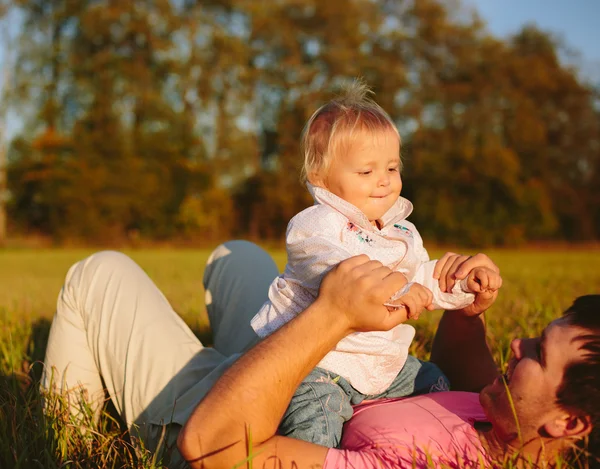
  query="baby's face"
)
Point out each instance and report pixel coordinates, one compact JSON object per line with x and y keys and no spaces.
{"x":368,"y":174}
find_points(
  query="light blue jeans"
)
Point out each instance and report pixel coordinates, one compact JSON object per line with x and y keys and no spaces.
{"x":324,"y":400}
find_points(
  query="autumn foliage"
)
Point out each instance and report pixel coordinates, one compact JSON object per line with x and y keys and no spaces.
{"x":158,"y":119}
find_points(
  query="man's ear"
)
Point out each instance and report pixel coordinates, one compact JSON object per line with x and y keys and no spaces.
{"x":568,"y":425}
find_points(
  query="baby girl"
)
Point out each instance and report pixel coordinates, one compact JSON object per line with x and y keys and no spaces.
{"x":352,"y":169}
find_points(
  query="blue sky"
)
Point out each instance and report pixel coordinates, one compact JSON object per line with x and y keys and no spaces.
{"x":576,"y":21}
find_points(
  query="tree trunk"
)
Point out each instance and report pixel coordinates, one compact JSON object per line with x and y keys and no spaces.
{"x":3,"y":192}
{"x":7,"y":43}
{"x":3,"y":160}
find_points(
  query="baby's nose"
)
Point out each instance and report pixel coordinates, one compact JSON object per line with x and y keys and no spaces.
{"x":384,"y":181}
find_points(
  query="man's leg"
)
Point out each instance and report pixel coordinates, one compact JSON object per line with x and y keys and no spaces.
{"x":113,"y":324}
{"x":236,"y":281}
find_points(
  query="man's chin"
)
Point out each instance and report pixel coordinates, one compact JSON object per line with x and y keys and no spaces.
{"x":498,"y":412}
{"x":489,"y":395}
{"x":487,"y":404}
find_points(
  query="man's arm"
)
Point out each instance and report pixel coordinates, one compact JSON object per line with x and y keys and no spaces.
{"x":249,"y":400}
{"x":461,"y":351}
{"x":459,"y":347}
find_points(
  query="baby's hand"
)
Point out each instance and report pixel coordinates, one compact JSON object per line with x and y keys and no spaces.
{"x":415,"y":301}
{"x":452,"y":267}
{"x":483,"y":279}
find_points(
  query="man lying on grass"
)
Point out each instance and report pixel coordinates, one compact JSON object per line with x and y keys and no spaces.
{"x":114,"y":327}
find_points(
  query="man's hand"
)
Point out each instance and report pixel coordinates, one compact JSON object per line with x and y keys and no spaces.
{"x":484,"y":278}
{"x":415,"y":300}
{"x":355,"y":291}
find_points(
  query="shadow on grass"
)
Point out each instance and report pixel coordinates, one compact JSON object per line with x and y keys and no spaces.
{"x":38,"y":341}
{"x":31,"y":436}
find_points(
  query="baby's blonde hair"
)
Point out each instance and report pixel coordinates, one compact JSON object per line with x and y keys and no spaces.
{"x":332,"y":126}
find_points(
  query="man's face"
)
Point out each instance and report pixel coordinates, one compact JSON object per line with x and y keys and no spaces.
{"x":533,"y":377}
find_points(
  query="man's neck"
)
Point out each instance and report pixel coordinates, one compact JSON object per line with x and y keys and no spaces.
{"x":537,"y":450}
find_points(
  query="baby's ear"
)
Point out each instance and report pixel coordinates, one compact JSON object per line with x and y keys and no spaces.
{"x":316,"y":179}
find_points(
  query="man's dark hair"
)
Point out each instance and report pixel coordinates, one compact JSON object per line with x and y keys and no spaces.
{"x":579,"y":390}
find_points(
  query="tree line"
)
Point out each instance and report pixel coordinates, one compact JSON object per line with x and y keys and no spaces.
{"x":181,"y":119}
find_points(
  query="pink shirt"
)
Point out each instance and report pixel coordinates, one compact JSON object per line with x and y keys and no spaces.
{"x":424,"y":431}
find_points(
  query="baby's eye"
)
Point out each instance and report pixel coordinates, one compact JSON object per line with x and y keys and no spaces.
{"x":393,"y":169}
{"x":365,"y":173}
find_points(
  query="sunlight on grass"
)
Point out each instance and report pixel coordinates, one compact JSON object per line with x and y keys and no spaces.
{"x":538,"y":286}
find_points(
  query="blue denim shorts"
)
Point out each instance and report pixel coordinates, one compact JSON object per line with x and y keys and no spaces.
{"x":324,"y":400}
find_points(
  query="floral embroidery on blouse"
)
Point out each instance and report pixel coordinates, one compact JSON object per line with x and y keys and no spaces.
{"x":362,"y":237}
{"x":440,"y":386}
{"x":404,"y":229}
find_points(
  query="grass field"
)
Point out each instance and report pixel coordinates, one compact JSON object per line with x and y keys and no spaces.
{"x":538,"y":286}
